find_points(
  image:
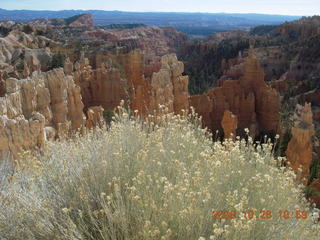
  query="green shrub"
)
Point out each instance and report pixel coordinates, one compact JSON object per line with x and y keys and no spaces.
{"x":262,"y":30}
{"x":57,"y":61}
{"x":27,"y":29}
{"x":152,"y":180}
{"x":57,"y":22}
{"x":108,"y":115}
{"x":203,"y":61}
{"x":287,"y":122}
{"x":119,"y":68}
{"x":40,"y":32}
{"x":4,"y":31}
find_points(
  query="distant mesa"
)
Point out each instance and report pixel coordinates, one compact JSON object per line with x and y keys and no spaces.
{"x":82,"y":20}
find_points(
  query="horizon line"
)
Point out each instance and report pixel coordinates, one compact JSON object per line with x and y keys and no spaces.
{"x":277,"y":14}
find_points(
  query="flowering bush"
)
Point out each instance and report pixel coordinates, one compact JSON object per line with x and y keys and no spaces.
{"x":157,"y":179}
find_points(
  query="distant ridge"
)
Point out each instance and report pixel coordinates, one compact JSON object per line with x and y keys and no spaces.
{"x":149,"y":17}
{"x":191,"y":23}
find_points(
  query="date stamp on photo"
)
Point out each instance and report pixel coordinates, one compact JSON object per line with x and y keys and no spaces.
{"x":258,"y":214}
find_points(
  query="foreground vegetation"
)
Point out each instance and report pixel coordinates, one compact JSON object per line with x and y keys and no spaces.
{"x":159,"y":179}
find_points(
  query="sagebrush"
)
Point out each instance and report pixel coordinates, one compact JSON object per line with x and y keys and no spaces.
{"x":153,"y":179}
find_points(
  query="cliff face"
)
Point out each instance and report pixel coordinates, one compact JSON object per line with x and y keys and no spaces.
{"x":299,"y":151}
{"x":255,"y":104}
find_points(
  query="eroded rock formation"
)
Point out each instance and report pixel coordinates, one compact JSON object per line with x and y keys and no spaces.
{"x":169,"y":87}
{"x":229,"y":124}
{"x":103,"y":86}
{"x":255,"y":104}
{"x":95,"y":118}
{"x":299,"y":151}
{"x":137,"y":89}
{"x":20,"y":134}
{"x":138,"y":69}
{"x":122,"y":77}
{"x":45,"y":106}
{"x":22,"y":53}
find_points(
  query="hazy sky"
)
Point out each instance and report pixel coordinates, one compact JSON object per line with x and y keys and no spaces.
{"x":288,"y":7}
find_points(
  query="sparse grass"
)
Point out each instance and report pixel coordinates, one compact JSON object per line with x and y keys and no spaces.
{"x":157,"y":179}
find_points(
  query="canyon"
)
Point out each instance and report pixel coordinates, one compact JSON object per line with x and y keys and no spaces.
{"x":60,"y":102}
{"x":62,"y":77}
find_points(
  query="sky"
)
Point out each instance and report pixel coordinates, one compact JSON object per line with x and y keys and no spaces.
{"x":285,"y":7}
